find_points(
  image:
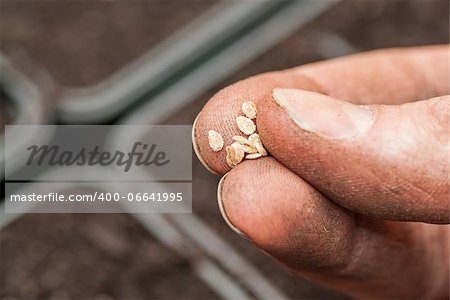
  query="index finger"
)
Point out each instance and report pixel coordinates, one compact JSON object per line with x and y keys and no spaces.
{"x":382,"y":76}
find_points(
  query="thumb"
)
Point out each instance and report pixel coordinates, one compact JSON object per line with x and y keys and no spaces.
{"x":384,"y":161}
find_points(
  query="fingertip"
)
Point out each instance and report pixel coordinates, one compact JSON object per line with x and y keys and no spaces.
{"x":223,"y":212}
{"x":220,"y":113}
{"x":285,"y":216}
{"x":196,"y":147}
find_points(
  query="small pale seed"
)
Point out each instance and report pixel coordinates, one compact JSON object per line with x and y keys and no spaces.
{"x":238,"y":152}
{"x":253,"y":156}
{"x":257,"y":144}
{"x":246,"y":125}
{"x":249,"y":149}
{"x":215,"y":140}
{"x":249,"y":109}
{"x":241,"y":140}
{"x":230,"y":153}
{"x":235,"y":154}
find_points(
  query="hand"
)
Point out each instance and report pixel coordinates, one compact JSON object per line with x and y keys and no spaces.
{"x":347,"y":198}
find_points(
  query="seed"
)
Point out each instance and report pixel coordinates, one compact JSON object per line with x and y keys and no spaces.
{"x":257,"y":144}
{"x":246,"y":125}
{"x":238,"y":152}
{"x":249,"y":109}
{"x":253,"y":156}
{"x":235,"y":154}
{"x":230,"y":153}
{"x":242,"y":140}
{"x":249,"y":149}
{"x":215,"y":140}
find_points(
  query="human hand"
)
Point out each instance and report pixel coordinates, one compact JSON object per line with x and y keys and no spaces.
{"x":350,"y":193}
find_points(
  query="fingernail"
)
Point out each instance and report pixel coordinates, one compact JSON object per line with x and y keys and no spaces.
{"x":324,"y":115}
{"x":196,"y":149}
{"x":222,"y":209}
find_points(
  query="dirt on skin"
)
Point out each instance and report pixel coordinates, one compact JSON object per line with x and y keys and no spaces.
{"x":110,"y":256}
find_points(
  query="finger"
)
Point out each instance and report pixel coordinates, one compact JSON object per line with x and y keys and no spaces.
{"x":380,"y":76}
{"x":382,"y":161}
{"x":220,"y":113}
{"x":392,"y":76}
{"x":280,"y":212}
{"x":290,"y":220}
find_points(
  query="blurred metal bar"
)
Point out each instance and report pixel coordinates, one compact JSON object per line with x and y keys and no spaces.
{"x":31,"y":108}
{"x":272,"y":31}
{"x":217,"y":26}
{"x":205,"y":268}
{"x":187,"y":89}
{"x":198,"y":233}
{"x":331,"y":45}
{"x":6,"y":219}
{"x":218,"y":248}
{"x":223,"y":284}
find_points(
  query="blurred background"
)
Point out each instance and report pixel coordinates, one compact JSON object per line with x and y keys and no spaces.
{"x":158,"y":62}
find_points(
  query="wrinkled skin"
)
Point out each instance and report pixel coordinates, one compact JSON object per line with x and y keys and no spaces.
{"x":367,"y":215}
